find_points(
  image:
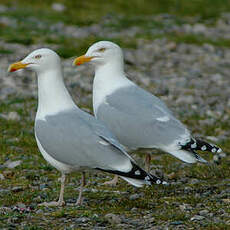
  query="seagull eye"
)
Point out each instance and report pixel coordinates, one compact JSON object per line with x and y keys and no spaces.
{"x":38,"y":56}
{"x":102,"y":49}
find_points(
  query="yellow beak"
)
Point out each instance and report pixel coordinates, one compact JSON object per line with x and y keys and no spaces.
{"x":82,"y":59}
{"x":16,"y":66}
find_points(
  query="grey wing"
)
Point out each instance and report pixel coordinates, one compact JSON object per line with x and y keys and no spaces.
{"x":139,"y":119}
{"x":71,"y":139}
{"x":102,"y":131}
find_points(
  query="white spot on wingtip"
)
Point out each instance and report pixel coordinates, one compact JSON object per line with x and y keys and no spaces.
{"x":213,"y":150}
{"x":163,"y":119}
{"x":104,"y":143}
{"x":194,"y":145}
{"x":137,"y":172}
{"x":158,"y":181}
{"x":219,"y":150}
{"x":203,"y":148}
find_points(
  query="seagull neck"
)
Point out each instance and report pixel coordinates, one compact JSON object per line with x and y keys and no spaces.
{"x":110,"y":70}
{"x":53,"y":96}
{"x":108,"y":79}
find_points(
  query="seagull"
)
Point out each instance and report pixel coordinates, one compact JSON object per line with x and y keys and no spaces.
{"x":69,"y":138}
{"x":136,"y":117}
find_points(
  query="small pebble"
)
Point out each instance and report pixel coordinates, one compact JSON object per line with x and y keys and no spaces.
{"x":136,"y":196}
{"x":112,"y":218}
{"x":17,"y":189}
{"x":58,"y":7}
{"x":39,"y":211}
{"x":197,"y":217}
{"x":204,"y":212}
{"x":12,"y":164}
{"x":176,"y":222}
{"x":14,"y":116}
{"x":2,"y":177}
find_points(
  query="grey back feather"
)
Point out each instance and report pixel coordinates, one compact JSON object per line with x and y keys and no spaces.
{"x":132,"y":114}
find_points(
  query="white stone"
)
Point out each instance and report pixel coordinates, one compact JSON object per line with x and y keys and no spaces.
{"x":58,"y":7}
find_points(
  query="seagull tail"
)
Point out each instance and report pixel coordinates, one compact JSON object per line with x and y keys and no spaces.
{"x":137,"y":176}
{"x":187,"y":156}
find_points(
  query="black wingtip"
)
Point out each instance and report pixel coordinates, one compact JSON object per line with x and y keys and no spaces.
{"x":151,"y":179}
{"x":196,"y":144}
{"x":138,"y":173}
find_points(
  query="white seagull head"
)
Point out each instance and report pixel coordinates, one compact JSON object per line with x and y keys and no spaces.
{"x":101,"y":53}
{"x":39,"y":60}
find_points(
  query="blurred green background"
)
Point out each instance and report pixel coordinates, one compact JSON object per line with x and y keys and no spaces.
{"x":34,"y":19}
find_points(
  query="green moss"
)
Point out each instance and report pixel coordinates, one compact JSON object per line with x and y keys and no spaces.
{"x":85,"y":12}
{"x":5,"y":51}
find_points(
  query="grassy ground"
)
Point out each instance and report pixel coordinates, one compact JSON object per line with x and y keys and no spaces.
{"x":34,"y":181}
{"x":86,"y":12}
